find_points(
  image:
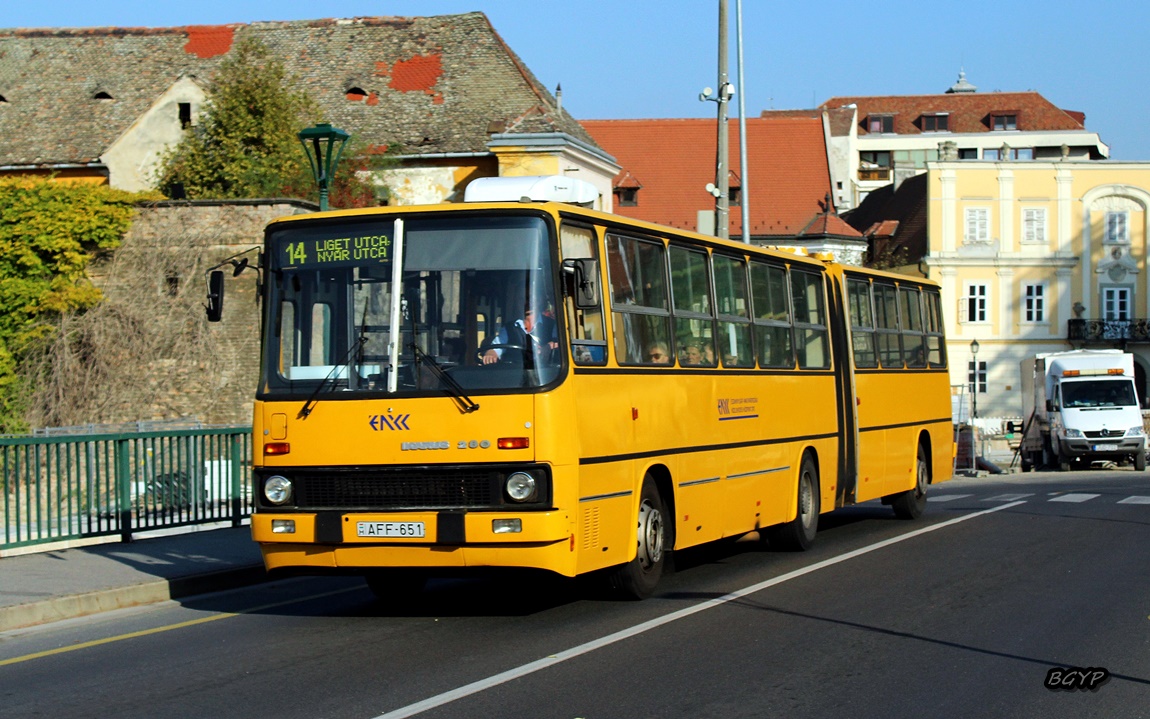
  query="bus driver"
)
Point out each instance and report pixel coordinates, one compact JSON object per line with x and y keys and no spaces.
{"x":536,"y":331}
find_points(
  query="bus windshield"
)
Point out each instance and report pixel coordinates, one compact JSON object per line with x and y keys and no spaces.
{"x":475,"y":309}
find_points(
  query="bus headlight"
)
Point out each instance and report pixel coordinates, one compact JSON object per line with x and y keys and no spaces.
{"x":1135,"y":432}
{"x":277,"y":489}
{"x":1072,"y":433}
{"x":521,"y":487}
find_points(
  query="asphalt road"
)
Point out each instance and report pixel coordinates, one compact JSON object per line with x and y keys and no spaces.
{"x":962,"y":613}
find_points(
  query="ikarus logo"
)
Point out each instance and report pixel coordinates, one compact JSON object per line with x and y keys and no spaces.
{"x":389,"y":421}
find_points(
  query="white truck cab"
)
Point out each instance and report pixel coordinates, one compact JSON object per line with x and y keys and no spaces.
{"x":1084,"y":408}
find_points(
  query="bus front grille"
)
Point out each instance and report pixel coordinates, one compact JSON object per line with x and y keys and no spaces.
{"x":399,"y":491}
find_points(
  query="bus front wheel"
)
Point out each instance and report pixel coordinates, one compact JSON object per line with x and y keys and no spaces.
{"x":637,"y":579}
{"x":799,"y":533}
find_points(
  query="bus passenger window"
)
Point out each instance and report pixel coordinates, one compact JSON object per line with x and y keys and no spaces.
{"x":886,"y":310}
{"x":810,"y":320}
{"x":862,"y":323}
{"x":690,"y":291}
{"x":734,"y":340}
{"x":772,"y":316}
{"x":588,"y":338}
{"x":911,"y":323}
{"x":639,"y":304}
{"x":935,"y":342}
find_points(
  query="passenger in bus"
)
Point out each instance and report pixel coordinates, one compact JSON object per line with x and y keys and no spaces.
{"x":536,"y":332}
{"x":658,"y":354}
{"x":691,"y":355}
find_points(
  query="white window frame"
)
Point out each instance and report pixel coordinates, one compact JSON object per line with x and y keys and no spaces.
{"x":1116,"y":303}
{"x":1034,"y":225}
{"x":975,"y":304}
{"x":1116,"y":228}
{"x":1034,"y":303}
{"x":976,"y":225}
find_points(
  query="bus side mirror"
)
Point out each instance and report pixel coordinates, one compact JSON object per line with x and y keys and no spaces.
{"x":1050,"y":405}
{"x":581,"y":280}
{"x":215,"y":306}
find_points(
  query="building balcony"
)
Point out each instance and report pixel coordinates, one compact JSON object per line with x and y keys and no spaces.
{"x":1108,"y":332}
{"x":874,"y":174}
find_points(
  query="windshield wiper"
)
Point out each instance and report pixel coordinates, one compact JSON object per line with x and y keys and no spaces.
{"x":466,"y":404}
{"x":343,"y":362}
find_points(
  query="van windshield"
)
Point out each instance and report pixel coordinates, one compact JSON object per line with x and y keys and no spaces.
{"x":1098,"y":393}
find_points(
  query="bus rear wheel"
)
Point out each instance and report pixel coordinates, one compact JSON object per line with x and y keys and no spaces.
{"x":799,"y":534}
{"x":912,"y":503}
{"x":637,"y":579}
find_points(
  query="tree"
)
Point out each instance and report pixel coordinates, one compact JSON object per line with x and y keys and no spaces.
{"x":49,"y":231}
{"x":246,"y":143}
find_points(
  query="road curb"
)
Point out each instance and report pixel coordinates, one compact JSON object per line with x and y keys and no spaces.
{"x":79,"y":605}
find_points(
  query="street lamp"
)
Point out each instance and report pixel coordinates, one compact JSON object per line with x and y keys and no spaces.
{"x":323,"y":144}
{"x":974,"y":386}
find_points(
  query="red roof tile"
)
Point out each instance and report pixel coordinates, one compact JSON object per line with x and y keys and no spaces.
{"x":829,"y":225}
{"x":968,"y":112}
{"x":675,"y":159}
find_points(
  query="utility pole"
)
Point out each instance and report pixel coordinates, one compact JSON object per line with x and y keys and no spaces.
{"x":744,"y":198}
{"x":722,"y":181}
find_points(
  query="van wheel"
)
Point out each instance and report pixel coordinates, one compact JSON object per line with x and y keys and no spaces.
{"x":912,"y":503}
{"x":637,"y":579}
{"x":1140,"y":462}
{"x":799,"y":533}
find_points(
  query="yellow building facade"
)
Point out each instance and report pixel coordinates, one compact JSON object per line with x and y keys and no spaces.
{"x":1037,"y":257}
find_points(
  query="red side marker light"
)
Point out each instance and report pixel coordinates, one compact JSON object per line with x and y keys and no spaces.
{"x":513,"y":443}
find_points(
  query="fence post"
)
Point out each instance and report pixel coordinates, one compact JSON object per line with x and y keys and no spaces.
{"x":123,"y":489}
{"x":237,"y":476}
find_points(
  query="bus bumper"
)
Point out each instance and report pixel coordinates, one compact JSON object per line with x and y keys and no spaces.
{"x":544,"y":540}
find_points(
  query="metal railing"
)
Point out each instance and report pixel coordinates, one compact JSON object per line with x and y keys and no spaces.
{"x":1108,"y":331}
{"x":72,"y":487}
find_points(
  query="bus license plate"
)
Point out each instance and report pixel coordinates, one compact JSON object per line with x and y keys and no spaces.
{"x":1105,"y":448}
{"x":389,"y":529}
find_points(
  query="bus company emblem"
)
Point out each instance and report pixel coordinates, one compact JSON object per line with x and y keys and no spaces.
{"x":380,"y":422}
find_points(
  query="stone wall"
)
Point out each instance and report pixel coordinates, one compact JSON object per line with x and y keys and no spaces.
{"x":205,"y":371}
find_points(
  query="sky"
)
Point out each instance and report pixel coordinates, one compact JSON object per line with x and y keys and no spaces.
{"x":652,"y":58}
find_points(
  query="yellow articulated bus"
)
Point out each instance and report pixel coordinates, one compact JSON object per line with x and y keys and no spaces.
{"x":530,"y":383}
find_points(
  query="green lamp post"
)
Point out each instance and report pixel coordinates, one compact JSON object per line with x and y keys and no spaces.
{"x":323,"y":144}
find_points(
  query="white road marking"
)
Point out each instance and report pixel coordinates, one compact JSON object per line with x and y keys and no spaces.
{"x":1076,"y":498}
{"x":1135,"y":500}
{"x":1008,"y":497}
{"x":948,"y":497}
{"x":550,"y":661}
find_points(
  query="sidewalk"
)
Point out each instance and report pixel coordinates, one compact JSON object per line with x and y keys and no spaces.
{"x":61,"y":584}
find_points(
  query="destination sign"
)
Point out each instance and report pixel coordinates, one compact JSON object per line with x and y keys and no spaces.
{"x":296,"y":251}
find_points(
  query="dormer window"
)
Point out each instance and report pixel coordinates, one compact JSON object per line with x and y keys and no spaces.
{"x":1004,"y":121}
{"x":627,"y":196}
{"x":356,"y":94}
{"x":880,"y":123}
{"x":101,"y":95}
{"x":936,"y":122}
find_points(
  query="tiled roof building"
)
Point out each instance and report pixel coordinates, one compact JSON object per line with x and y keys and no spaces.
{"x":668,"y":163}
{"x":446,"y":89}
{"x":877,"y":140}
